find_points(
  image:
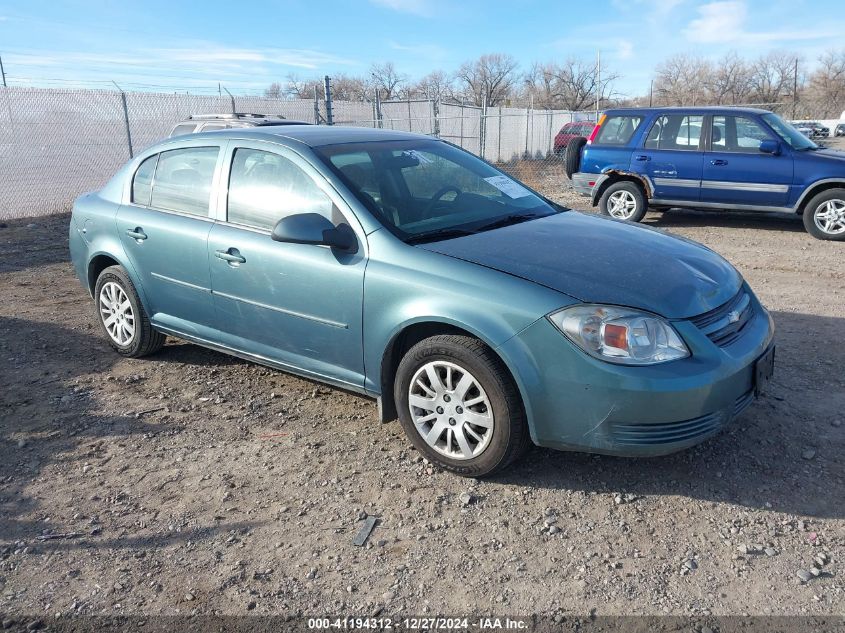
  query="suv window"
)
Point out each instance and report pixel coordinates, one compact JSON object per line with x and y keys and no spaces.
{"x":618,"y":130}
{"x":265,"y":187}
{"x":736,"y":134}
{"x":141,"y":183}
{"x":183,"y":180}
{"x":675,"y":131}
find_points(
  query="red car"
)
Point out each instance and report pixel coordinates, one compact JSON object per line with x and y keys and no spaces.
{"x":571,"y":131}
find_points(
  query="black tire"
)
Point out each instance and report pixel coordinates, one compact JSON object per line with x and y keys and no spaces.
{"x":640,"y":202}
{"x":815,"y":206}
{"x":144,"y":340}
{"x":510,"y":438}
{"x":572,"y":158}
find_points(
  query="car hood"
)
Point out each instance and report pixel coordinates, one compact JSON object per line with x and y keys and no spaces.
{"x":832,"y":154}
{"x":599,"y":260}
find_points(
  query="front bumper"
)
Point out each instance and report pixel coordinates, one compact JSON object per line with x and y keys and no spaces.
{"x":576,"y":402}
{"x":586,"y":184}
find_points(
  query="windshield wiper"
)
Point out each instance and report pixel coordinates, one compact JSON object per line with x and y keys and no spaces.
{"x":514,"y":218}
{"x":439,"y":234}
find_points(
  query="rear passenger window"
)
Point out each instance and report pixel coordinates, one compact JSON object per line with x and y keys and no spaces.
{"x":617,"y":130}
{"x":675,"y":131}
{"x":183,"y":180}
{"x":141,"y":183}
{"x":265,"y":187}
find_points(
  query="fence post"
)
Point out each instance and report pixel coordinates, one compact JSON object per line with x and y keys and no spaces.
{"x":482,"y":127}
{"x":499,"y":148}
{"x":125,"y":119}
{"x":462,"y":123}
{"x":378,"y":109}
{"x":231,"y":98}
{"x":435,"y":105}
{"x":410,"y":128}
{"x":328,"y":87}
{"x":316,"y":107}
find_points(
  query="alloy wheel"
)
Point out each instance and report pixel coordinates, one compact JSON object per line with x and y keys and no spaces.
{"x":829,"y":217}
{"x":450,"y":410}
{"x":116,"y":313}
{"x":621,"y":204}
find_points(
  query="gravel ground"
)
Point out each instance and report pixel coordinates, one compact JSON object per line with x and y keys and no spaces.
{"x":192,"y":482}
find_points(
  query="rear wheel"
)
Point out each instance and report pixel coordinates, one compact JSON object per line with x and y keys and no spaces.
{"x":624,"y":200}
{"x":572,"y":156}
{"x":824,"y":216}
{"x":122,"y":317}
{"x":459,"y":406}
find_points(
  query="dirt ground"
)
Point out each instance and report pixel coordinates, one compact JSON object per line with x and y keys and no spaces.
{"x":192,"y":482}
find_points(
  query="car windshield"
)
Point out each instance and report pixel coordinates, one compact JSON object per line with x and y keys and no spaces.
{"x":788,"y":133}
{"x":424,"y":190}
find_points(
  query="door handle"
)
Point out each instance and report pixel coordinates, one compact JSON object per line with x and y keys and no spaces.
{"x":137,"y":234}
{"x":233,"y":256}
{"x":642,"y":157}
{"x":718,"y":161}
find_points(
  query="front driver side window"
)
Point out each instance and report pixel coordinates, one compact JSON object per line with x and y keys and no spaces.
{"x":265,"y":187}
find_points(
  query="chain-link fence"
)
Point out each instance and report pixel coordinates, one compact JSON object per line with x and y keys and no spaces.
{"x":57,"y":144}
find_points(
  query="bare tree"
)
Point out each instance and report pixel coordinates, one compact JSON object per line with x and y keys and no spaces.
{"x":436,"y":86}
{"x":728,"y":80}
{"x":772,"y":77}
{"x":296,"y":88}
{"x":274,"y":91}
{"x":826,"y":86}
{"x":571,"y":85}
{"x":387,"y":80}
{"x":489,"y":79}
{"x":680,"y":80}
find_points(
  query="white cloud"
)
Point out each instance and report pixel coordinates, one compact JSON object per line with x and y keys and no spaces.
{"x":724,"y":22}
{"x":416,"y":7}
{"x":427,"y":51}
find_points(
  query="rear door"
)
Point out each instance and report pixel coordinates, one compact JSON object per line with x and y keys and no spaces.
{"x":164,"y":229}
{"x":672,"y":156}
{"x":736,"y":172}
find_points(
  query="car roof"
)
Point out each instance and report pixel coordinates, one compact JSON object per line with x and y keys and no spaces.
{"x":681,"y":109}
{"x":314,"y":135}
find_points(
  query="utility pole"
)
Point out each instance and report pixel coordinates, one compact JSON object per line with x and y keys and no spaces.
{"x":795,"y":89}
{"x":598,"y":83}
{"x":3,"y":72}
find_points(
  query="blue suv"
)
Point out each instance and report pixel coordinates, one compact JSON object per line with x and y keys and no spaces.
{"x":718,"y":158}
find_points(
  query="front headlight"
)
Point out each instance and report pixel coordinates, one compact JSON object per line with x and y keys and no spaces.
{"x":620,"y":335}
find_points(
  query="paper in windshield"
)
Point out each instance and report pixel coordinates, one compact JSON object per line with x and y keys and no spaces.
{"x":508,"y":187}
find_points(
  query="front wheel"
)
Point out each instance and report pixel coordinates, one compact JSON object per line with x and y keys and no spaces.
{"x":824,"y":216}
{"x":459,"y":406}
{"x":624,"y":200}
{"x":122,"y":317}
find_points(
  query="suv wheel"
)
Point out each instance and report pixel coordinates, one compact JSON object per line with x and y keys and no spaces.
{"x":122,"y":317}
{"x":624,"y":200}
{"x":459,"y":406}
{"x":824,"y":216}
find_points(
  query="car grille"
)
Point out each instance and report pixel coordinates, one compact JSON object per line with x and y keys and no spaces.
{"x":724,"y":325}
{"x":672,"y":432}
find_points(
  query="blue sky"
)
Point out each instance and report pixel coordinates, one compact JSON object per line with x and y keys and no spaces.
{"x":192,"y":45}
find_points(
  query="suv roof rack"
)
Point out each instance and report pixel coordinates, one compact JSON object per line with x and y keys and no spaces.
{"x":234,"y":115}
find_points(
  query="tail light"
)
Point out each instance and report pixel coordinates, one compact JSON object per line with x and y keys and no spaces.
{"x":596,"y":129}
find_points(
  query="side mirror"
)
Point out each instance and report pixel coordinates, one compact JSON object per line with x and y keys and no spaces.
{"x":313,"y":228}
{"x":769,"y":146}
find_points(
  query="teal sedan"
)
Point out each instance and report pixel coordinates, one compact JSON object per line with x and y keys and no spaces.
{"x":482,"y":315}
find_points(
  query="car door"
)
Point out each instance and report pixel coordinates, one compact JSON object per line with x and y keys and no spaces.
{"x":672,"y":157}
{"x":164,"y":228}
{"x":298,"y":305}
{"x":736,"y":172}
